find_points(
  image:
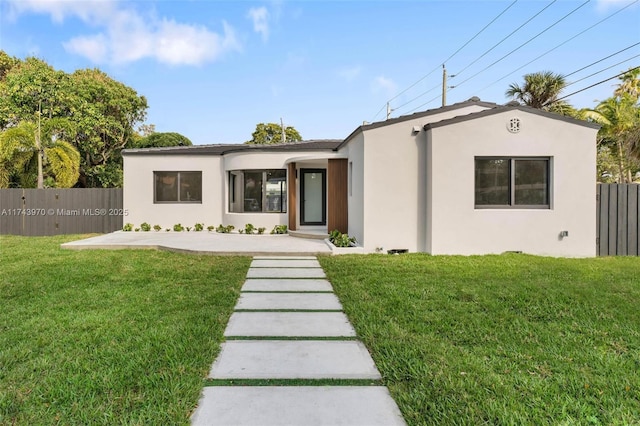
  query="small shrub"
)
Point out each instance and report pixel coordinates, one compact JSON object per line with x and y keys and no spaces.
{"x":210,"y":228}
{"x":198,"y":227}
{"x":178,"y":227}
{"x":339,"y":239}
{"x":137,"y":229}
{"x":225,"y":229}
{"x":188,"y":229}
{"x":261,"y":230}
{"x":167,"y":230}
{"x":241,"y":231}
{"x":279,"y":229}
{"x":128,"y":227}
{"x":145,"y":227}
{"x":157,"y":228}
{"x":249,"y":228}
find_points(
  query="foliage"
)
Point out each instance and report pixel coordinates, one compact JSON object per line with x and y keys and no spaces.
{"x":211,"y":228}
{"x":271,"y":133}
{"x":157,"y":228}
{"x":19,"y":155}
{"x":145,"y":227}
{"x":128,"y":227}
{"x":158,"y":140}
{"x":225,"y":229}
{"x":188,"y":228}
{"x":178,"y":227}
{"x":127,"y":340}
{"x":504,"y":340}
{"x":619,"y":136}
{"x":261,"y":230}
{"x":279,"y":229}
{"x":339,"y":239}
{"x":249,"y":228}
{"x":541,"y":90}
{"x":100,"y":113}
{"x":198,"y":227}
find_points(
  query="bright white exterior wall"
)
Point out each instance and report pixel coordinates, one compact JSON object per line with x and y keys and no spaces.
{"x":456,"y":227}
{"x":214,"y":210}
{"x":354,"y":150}
{"x":394,"y":183}
{"x":139,"y":187}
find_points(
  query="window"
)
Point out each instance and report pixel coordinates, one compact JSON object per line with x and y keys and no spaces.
{"x":263,"y":191}
{"x":502,"y":182}
{"x":177,"y":187}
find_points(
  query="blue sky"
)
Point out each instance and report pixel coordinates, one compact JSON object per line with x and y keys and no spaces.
{"x":212,"y":70}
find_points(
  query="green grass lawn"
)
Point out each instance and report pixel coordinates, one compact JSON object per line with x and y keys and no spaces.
{"x":511,"y":339}
{"x":108,"y":337}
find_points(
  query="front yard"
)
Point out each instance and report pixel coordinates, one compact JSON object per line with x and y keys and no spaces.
{"x":511,"y":339}
{"x":108,"y":337}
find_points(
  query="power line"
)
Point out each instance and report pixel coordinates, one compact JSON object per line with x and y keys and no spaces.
{"x":510,"y":34}
{"x":600,"y":60}
{"x":426,"y":103}
{"x":561,"y":44}
{"x":593,"y":85}
{"x":451,"y":56}
{"x":419,"y":96}
{"x":525,"y":43}
{"x":602,"y":70}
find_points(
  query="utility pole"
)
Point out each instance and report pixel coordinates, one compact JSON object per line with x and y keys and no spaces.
{"x":389,"y":110}
{"x":444,"y":86}
{"x":284,"y":135}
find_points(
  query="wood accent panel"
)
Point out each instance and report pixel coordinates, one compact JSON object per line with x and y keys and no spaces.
{"x":338,"y":217}
{"x":291,"y":196}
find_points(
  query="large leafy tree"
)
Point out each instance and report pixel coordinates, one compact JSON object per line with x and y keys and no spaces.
{"x":101,"y":112}
{"x":19,"y":153}
{"x":619,"y":136}
{"x":162,"y":139}
{"x":271,"y":133}
{"x":541,"y":90}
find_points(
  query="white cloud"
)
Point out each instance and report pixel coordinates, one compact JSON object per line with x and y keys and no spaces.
{"x":127,"y":36}
{"x":603,"y":5}
{"x":384,"y":84}
{"x":350,"y":73}
{"x":260,"y":18}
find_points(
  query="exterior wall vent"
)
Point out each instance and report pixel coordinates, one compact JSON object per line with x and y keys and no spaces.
{"x":514,"y":125}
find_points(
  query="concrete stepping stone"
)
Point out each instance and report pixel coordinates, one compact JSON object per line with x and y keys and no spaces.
{"x":289,"y":324}
{"x":285,"y":263}
{"x":293,"y":359}
{"x":285,"y":273}
{"x":288,"y":301}
{"x":286,"y":284}
{"x":296,"y":405}
{"x":284,"y":257}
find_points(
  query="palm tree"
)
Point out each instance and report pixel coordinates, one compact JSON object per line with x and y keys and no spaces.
{"x":541,"y":90}
{"x":19,"y":156}
{"x":630,"y":84}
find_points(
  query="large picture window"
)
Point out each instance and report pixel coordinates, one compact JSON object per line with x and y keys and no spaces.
{"x":254,"y":191}
{"x":504,"y":182}
{"x":177,"y":187}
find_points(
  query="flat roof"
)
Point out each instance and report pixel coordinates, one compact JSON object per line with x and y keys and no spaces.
{"x":222,"y":149}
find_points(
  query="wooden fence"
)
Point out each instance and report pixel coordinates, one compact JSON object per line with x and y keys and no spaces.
{"x":618,"y":224}
{"x":60,"y":211}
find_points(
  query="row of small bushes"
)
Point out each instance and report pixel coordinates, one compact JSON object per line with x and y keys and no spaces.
{"x":198,"y":227}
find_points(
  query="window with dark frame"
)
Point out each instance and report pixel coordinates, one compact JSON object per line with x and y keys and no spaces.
{"x":512,"y":182}
{"x":258,"y":191}
{"x":177,"y":187}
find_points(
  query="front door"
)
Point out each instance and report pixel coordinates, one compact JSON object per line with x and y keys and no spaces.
{"x":313,"y":197}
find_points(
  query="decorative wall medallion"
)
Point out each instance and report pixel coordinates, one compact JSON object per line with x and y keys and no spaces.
{"x":514,"y":125}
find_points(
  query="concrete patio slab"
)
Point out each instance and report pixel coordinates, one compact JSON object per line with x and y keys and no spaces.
{"x":296,"y":405}
{"x":286,"y":284}
{"x":285,"y":263}
{"x":285,"y":273}
{"x":289,"y":324}
{"x":288,"y":301}
{"x":204,"y":243}
{"x":293,"y":359}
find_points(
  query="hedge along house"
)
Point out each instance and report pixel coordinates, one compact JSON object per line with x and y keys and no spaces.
{"x":469,"y":178}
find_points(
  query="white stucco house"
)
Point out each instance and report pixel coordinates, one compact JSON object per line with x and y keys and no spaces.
{"x":470,"y":178}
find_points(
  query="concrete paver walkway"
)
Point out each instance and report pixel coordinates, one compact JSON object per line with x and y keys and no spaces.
{"x":308,"y":338}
